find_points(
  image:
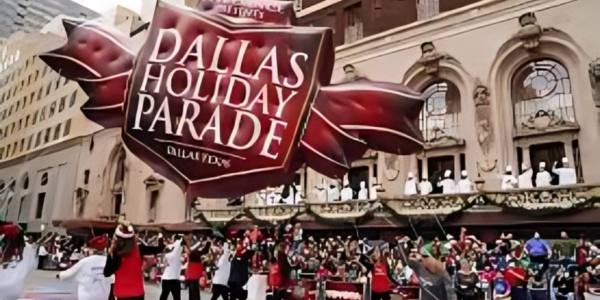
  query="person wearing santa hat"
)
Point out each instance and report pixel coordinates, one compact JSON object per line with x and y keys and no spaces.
{"x":88,"y":273}
{"x":125,"y":263}
{"x":465,"y":186}
{"x":543,"y":178}
{"x":448,"y":184}
{"x":566,"y":175}
{"x":509,"y":182}
{"x":410,"y":187}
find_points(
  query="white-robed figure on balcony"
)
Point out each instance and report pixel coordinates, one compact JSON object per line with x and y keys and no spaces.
{"x":465,"y":186}
{"x":525,"y":179}
{"x":425,"y":186}
{"x":363,"y":193}
{"x":448,"y":184}
{"x":333,"y":192}
{"x":543,"y":178}
{"x":566,"y":175}
{"x":410,"y":187}
{"x":509,"y":182}
{"x":347,"y":192}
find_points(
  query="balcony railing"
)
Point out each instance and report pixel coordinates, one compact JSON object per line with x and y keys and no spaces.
{"x":543,"y":199}
{"x":276,"y":212}
{"x":344,"y":210}
{"x":222,"y":215}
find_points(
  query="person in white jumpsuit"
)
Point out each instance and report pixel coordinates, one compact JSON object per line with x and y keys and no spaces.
{"x":425,"y":186}
{"x":448,"y":183}
{"x":465,"y":186}
{"x":566,"y":175}
{"x":509,"y":182}
{"x":525,"y":181}
{"x":89,"y":275}
{"x":543,"y":178}
{"x":410,"y":187}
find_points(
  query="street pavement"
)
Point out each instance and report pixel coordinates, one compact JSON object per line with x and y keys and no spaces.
{"x":43,"y":285}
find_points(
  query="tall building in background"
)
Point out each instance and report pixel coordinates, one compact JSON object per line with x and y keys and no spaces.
{"x":29,"y":16}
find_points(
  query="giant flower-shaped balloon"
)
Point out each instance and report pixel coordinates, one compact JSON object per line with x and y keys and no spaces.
{"x":230,"y":100}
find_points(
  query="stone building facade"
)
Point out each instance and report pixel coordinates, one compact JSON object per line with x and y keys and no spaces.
{"x":509,"y":83}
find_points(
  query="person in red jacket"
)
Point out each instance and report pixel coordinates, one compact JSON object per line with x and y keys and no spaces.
{"x":279,"y":275}
{"x":380,"y":281}
{"x":125,"y":262}
{"x":517,"y":278}
{"x":195,"y":267}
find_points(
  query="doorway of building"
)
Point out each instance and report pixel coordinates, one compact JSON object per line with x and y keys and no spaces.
{"x":355,"y":176}
{"x":548,"y":153}
{"x":436,"y":167}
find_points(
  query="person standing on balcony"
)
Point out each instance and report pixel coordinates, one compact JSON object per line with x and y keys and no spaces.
{"x":448,"y":184}
{"x":566,"y":175}
{"x":465,"y":186}
{"x":410,"y":187}
{"x":543,"y":178}
{"x":425,"y":186}
{"x":525,"y":179}
{"x":509,"y":182}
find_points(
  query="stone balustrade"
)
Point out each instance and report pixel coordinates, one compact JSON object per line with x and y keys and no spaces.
{"x":554,"y":198}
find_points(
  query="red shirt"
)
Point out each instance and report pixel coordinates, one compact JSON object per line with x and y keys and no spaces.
{"x":194,"y":271}
{"x":512,"y":276}
{"x":129,"y":281}
{"x":381,"y":282}
{"x":275,"y":278}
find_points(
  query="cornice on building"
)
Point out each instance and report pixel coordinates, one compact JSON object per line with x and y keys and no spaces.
{"x":481,"y":14}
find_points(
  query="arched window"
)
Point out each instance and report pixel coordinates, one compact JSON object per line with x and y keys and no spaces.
{"x":26,"y":183}
{"x":541,"y":97}
{"x":440,"y":114}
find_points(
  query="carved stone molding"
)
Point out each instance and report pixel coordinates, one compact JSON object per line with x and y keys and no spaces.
{"x":439,"y":205}
{"x":430,"y":58}
{"x":531,"y":31}
{"x":276,"y":212}
{"x":221,"y":215}
{"x":594,"y":72}
{"x":343,"y":210}
{"x":481,"y":96}
{"x":487,"y":166}
{"x":558,"y":198}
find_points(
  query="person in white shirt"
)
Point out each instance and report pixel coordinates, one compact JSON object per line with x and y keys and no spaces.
{"x":448,"y":183}
{"x":410,"y":187}
{"x":425,"y":186}
{"x":566,"y":175}
{"x":347,"y":192}
{"x":465,"y":186}
{"x":172,"y":274}
{"x":509,"y":182}
{"x":221,"y":278}
{"x":543,"y":178}
{"x":89,"y":275}
{"x":363,"y":193}
{"x":333,"y":192}
{"x":525,"y":181}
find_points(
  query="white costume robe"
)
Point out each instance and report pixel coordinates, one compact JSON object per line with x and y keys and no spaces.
{"x":543,"y":179}
{"x":89,"y":275}
{"x":347,"y":194}
{"x":525,"y":180}
{"x":509,"y":182}
{"x":12,"y":279}
{"x":566,"y":176}
{"x":363,"y":194}
{"x":449,"y":186}
{"x":410,"y":187}
{"x":465,"y":186}
{"x":425,"y":187}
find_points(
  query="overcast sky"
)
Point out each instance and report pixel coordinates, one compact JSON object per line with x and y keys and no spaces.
{"x":102,"y":6}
